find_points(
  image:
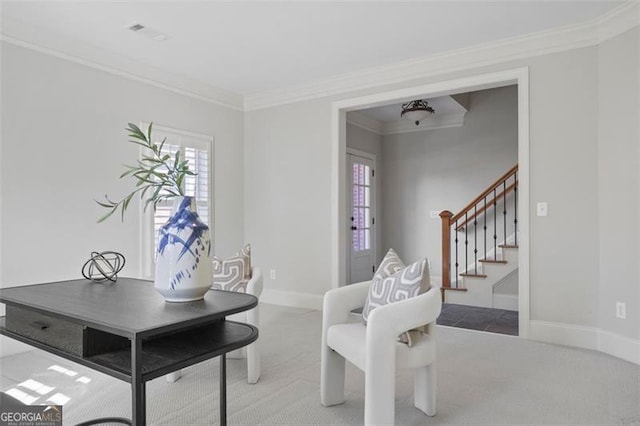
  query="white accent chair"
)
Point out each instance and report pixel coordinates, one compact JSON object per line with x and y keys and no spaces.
{"x":250,"y":352}
{"x":374,"y":349}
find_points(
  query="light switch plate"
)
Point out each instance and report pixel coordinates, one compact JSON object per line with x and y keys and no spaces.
{"x":434,"y":214}
{"x":542,"y":208}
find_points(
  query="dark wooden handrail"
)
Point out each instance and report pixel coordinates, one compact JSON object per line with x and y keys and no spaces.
{"x":489,"y":204}
{"x":486,"y":192}
{"x":449,"y":220}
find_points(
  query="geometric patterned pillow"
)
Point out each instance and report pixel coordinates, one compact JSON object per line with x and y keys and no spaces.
{"x":231,"y":274}
{"x":389,"y":265}
{"x":246,"y":251}
{"x":408,"y":282}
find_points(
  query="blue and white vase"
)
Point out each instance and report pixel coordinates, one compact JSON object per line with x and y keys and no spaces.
{"x":183,"y":260}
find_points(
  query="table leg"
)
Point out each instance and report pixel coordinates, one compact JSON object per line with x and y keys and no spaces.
{"x":138,"y":398}
{"x":223,"y":390}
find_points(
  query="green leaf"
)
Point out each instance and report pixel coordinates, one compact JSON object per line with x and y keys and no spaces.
{"x":108,"y":206}
{"x":162,"y":144}
{"x":106,"y":216}
{"x":157,"y":176}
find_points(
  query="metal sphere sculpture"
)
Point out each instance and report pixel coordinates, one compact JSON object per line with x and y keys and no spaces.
{"x":103,"y":266}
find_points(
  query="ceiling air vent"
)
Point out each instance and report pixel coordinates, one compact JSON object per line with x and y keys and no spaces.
{"x":147,"y":32}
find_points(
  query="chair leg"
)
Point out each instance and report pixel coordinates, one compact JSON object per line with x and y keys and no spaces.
{"x":424,"y":386}
{"x":380,"y":387}
{"x":253,"y":363}
{"x":332,"y":367}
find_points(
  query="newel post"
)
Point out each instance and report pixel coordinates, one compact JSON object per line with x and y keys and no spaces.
{"x":446,"y":216}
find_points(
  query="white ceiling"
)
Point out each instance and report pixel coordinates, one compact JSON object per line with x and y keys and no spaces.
{"x":253,"y":47}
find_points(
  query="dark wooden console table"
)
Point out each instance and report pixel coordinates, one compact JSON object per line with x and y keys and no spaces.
{"x":127,"y":330}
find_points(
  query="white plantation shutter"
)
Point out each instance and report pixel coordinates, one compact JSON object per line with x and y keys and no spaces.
{"x":197,"y":149}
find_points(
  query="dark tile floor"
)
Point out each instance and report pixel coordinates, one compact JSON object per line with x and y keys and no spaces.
{"x":476,"y":318}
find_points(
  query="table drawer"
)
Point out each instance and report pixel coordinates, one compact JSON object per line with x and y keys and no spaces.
{"x":56,"y":332}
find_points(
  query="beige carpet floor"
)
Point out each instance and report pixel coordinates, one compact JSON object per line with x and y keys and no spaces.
{"x":483,"y":378}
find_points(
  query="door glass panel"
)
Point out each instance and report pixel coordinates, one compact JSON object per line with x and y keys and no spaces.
{"x":361,"y":207}
{"x":361,"y":221}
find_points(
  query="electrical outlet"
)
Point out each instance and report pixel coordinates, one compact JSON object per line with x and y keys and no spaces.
{"x":272,"y":274}
{"x":621,"y":310}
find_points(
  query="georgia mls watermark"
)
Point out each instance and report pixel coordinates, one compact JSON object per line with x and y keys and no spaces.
{"x":14,"y":413}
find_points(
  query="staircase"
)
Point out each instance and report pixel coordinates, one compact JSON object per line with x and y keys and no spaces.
{"x":480,"y":248}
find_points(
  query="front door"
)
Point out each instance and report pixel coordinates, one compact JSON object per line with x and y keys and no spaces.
{"x":361,"y":218}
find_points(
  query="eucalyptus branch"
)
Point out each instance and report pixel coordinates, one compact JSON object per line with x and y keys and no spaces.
{"x":158,"y":174}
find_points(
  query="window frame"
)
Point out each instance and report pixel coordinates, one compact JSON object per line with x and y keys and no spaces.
{"x":147,"y":234}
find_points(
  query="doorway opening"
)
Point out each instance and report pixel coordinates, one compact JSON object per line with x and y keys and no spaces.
{"x":341,"y":228}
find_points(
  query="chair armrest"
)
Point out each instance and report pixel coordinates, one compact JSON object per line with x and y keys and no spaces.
{"x":398,"y":317}
{"x":339,"y":302}
{"x":254,"y":286}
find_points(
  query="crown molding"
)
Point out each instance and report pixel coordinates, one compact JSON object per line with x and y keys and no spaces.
{"x":618,"y":20}
{"x":79,"y":52}
{"x":586,"y":34}
{"x":442,"y":121}
{"x":590,"y":33}
{"x":362,"y":121}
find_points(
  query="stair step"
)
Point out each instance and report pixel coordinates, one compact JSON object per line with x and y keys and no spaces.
{"x":473,"y":275}
{"x":492,"y":261}
{"x":508,"y":246}
{"x":454,"y":288}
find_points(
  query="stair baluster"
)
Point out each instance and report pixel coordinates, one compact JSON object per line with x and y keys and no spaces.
{"x":495,"y":226}
{"x":504,"y":211}
{"x":475,"y":238}
{"x":515,"y":209}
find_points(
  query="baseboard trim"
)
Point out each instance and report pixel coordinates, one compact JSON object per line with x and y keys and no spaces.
{"x":587,"y":338}
{"x":619,"y":346}
{"x":508,"y":302}
{"x":564,"y":334}
{"x":292,"y":298}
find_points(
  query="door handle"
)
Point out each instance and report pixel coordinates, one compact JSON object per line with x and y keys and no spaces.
{"x":353,"y":228}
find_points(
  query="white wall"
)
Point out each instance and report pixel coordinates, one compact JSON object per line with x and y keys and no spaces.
{"x":563,"y":258}
{"x":445,"y":169}
{"x":63,"y":145}
{"x":619,"y":182}
{"x":370,"y":142}
{"x":287,"y":194}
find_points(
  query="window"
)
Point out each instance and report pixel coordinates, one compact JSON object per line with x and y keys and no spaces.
{"x":361,"y":221}
{"x":197,"y":149}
